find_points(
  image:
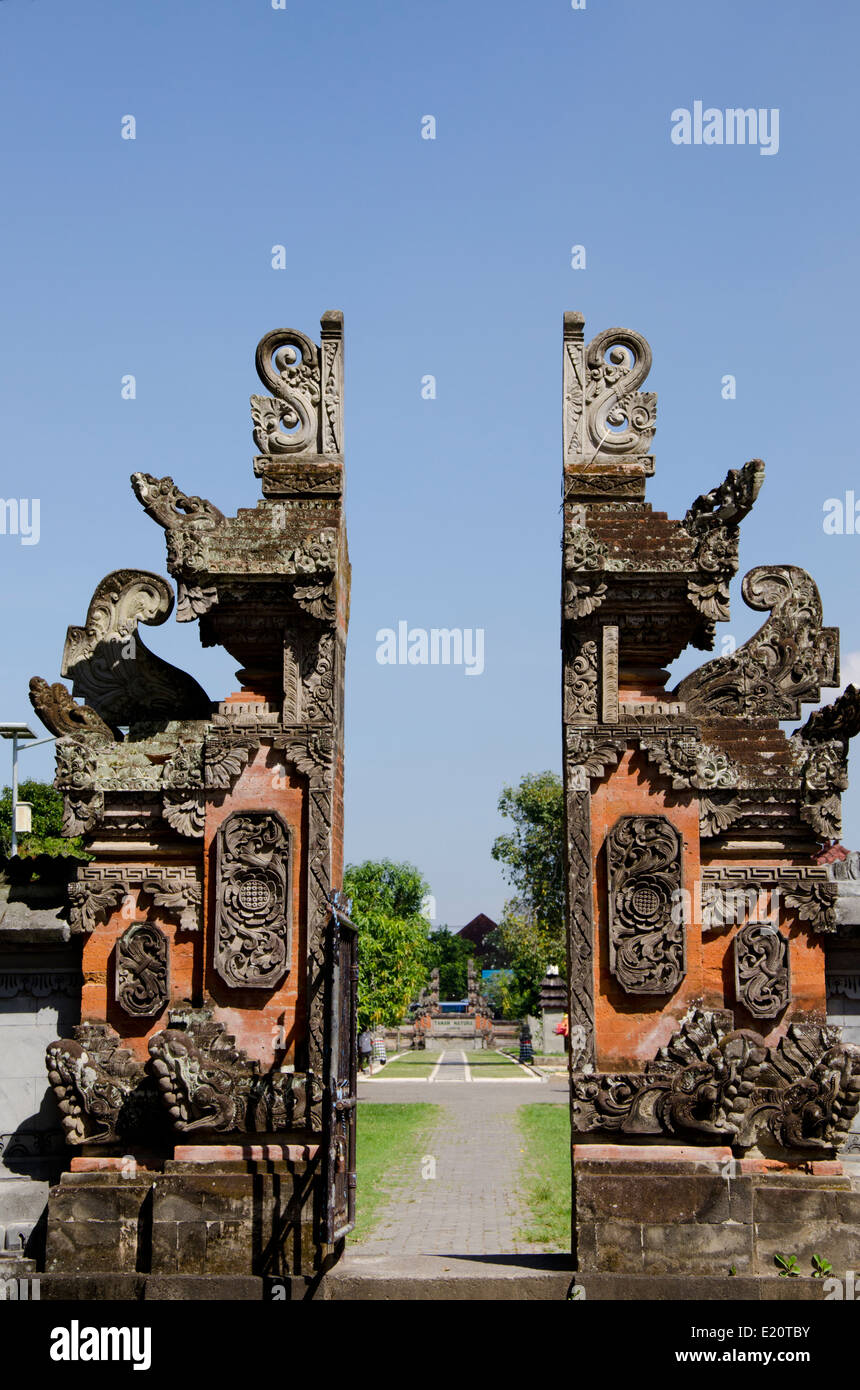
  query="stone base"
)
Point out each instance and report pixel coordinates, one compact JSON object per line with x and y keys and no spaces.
{"x":667,"y":1210}
{"x":221,"y":1217}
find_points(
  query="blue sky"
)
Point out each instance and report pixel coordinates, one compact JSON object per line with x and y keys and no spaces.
{"x":451,"y":257}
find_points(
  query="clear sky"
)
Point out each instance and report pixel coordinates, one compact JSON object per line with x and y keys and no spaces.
{"x":301,"y":127}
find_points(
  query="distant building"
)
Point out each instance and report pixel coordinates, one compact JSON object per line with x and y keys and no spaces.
{"x":477,"y":931}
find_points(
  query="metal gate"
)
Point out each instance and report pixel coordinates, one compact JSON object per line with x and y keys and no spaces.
{"x":340,"y":1081}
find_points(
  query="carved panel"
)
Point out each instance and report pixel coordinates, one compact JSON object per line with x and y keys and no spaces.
{"x":762,"y":969}
{"x":646,"y":948}
{"x":253,"y":931}
{"x":143,"y":970}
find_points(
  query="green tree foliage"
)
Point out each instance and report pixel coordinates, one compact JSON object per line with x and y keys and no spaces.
{"x":393,"y":937}
{"x":450,"y":953}
{"x":47,"y":834}
{"x":530,"y":935}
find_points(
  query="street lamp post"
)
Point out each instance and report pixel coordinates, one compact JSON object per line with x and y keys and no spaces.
{"x":16,"y":732}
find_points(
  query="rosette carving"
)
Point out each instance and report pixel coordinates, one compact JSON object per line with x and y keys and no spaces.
{"x":252,"y":924}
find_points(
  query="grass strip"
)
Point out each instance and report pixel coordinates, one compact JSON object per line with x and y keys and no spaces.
{"x":545,"y":1175}
{"x":390,"y":1139}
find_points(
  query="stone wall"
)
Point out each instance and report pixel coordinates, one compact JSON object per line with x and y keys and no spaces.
{"x":40,"y":982}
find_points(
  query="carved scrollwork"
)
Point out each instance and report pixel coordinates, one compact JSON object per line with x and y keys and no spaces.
{"x":717,"y":816}
{"x":582,"y":551}
{"x":224,"y":761}
{"x":186,"y":814}
{"x":814,"y":902}
{"x":715,"y":563}
{"x":305,"y":410}
{"x":782,"y":666}
{"x":253,"y":909}
{"x":646,"y":946}
{"x":582,"y":599}
{"x":606,"y":416}
{"x":762,"y":969}
{"x":143,"y":970}
{"x":112,"y":668}
{"x":580,"y":678}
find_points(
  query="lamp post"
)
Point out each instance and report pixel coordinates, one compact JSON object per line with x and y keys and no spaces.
{"x":16,"y":731}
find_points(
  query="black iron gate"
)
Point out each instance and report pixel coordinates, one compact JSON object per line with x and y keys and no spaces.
{"x":340,"y":1081}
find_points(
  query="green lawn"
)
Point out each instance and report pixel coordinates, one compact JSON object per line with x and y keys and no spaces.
{"x":390,"y":1140}
{"x":545,"y":1174}
{"x":410,"y":1066}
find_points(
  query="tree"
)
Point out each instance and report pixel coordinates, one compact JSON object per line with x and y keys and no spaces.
{"x":392,"y":937}
{"x":530,"y":934}
{"x":47,"y":834}
{"x":450,"y":953}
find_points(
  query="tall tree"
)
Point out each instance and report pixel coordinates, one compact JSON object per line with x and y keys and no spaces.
{"x":450,"y":953}
{"x":392,"y":937}
{"x":531,"y":931}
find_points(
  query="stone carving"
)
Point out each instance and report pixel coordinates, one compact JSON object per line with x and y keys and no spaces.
{"x":253,"y":908}
{"x":710,"y":1080}
{"x":591,"y":751}
{"x":76,"y":763}
{"x":207,"y":1083}
{"x":728,"y":504}
{"x":717,"y":816}
{"x":782,"y":666}
{"x":715,"y":563}
{"x":580,"y":679}
{"x":98,"y":891}
{"x":94,"y":1080}
{"x":63,"y":715}
{"x":762,"y":969}
{"x":165,"y":503}
{"x":81,"y":811}
{"x":112,"y":668}
{"x":582,"y":599}
{"x":605,"y":415}
{"x":224,"y":761}
{"x":646,"y":947}
{"x":839,"y":720}
{"x":143,"y":970}
{"x":186,"y":814}
{"x":578,"y":867}
{"x":303,"y":413}
{"x":582,"y":551}
{"x":813,"y":902}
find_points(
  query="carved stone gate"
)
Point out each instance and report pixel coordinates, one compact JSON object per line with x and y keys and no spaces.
{"x":214,"y":1062}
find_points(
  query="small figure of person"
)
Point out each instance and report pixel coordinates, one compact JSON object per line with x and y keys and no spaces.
{"x":365,"y":1049}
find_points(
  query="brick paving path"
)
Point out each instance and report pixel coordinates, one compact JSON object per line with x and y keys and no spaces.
{"x":472,"y":1207}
